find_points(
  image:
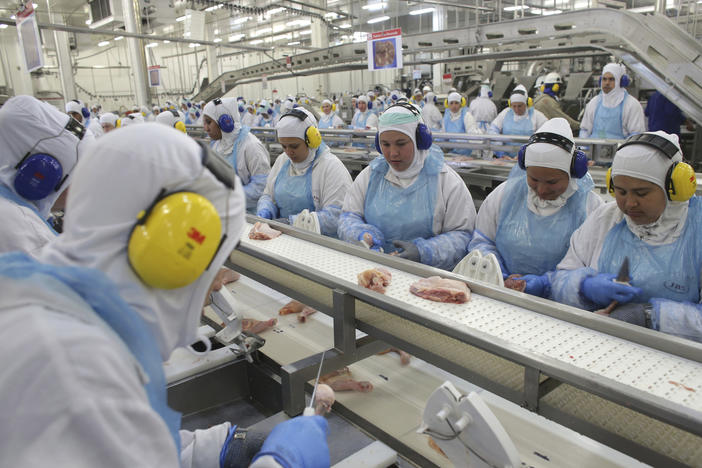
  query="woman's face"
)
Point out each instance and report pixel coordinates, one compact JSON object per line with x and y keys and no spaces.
{"x":641,"y":200}
{"x":519,"y":108}
{"x":398,"y":149}
{"x":295,"y":148}
{"x":211,"y":127}
{"x":546,"y":182}
{"x":326,"y":108}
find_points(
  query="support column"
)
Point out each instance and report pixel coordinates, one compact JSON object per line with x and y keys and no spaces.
{"x":320,"y":38}
{"x":132,"y":24}
{"x":438,"y":23}
{"x":21,"y":79}
{"x":661,"y":6}
{"x":211,"y":51}
{"x":63,"y":56}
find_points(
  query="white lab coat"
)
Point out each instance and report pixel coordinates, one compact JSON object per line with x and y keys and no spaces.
{"x":371,"y":121}
{"x":483,"y":109}
{"x":248,"y":119}
{"x":25,"y":231}
{"x":252,"y":157}
{"x":432,"y":116}
{"x":334,"y":118}
{"x":633,"y":120}
{"x":96,"y":128}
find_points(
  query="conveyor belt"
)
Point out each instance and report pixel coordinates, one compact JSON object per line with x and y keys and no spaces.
{"x":657,"y":383}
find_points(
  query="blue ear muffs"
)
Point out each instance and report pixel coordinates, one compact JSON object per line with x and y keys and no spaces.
{"x":422,"y":134}
{"x":578,"y":162}
{"x":370,"y":104}
{"x":269,"y":111}
{"x":225,"y":121}
{"x":623,"y":83}
{"x":241,"y":109}
{"x":86,"y":112}
{"x":490,"y":94}
{"x":37,"y":176}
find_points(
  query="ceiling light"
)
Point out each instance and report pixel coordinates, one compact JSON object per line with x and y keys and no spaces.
{"x":240,"y":20}
{"x":181,"y":18}
{"x":103,"y":43}
{"x":551,"y":12}
{"x":305,"y":32}
{"x":119,"y":38}
{"x":212,"y":8}
{"x":88,"y":21}
{"x":186,"y":34}
{"x":646,"y":9}
{"x":260,"y":32}
{"x":236,"y":37}
{"x":193,"y":44}
{"x":275,"y":10}
{"x":298,"y":23}
{"x":13,"y":17}
{"x":375,"y":6}
{"x":345,"y":25}
{"x":331,"y":15}
{"x":516,"y":7}
{"x":289,"y":43}
{"x":422,"y":11}
{"x":257,"y":41}
{"x":278,"y":28}
{"x":216,"y":31}
{"x":98,"y":66}
{"x":3,"y":26}
{"x":165,"y":41}
{"x":331,"y":2}
{"x":378,"y":19}
{"x":217,"y":39}
{"x":151,"y":44}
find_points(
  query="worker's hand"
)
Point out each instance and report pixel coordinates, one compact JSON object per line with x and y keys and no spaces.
{"x":224,"y":276}
{"x":409,"y":250}
{"x":602,"y":290}
{"x":371,"y":242}
{"x":299,"y":442}
{"x":241,"y":446}
{"x":537,"y":285}
{"x":264,"y":213}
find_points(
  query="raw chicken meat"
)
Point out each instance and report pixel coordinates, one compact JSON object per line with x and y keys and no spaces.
{"x":440,"y":289}
{"x":404,"y":357}
{"x":306,"y":312}
{"x":340,"y":381}
{"x":513,"y":282}
{"x":435,"y":446}
{"x":292,"y":307}
{"x":262,"y":231}
{"x":323,"y":399}
{"x":257,"y":326}
{"x":376,"y":279}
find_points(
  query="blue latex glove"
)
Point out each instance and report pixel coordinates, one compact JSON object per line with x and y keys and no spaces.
{"x":265,"y":214}
{"x":300,"y":442}
{"x":602,"y":290}
{"x":409,"y":250}
{"x":537,"y":285}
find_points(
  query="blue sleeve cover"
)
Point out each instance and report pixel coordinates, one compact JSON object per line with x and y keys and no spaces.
{"x":265,"y":203}
{"x":565,"y":287}
{"x":352,"y":226}
{"x":445,"y":250}
{"x":683,"y":319}
{"x":254,"y":189}
{"x":484,"y":245}
{"x":329,"y":219}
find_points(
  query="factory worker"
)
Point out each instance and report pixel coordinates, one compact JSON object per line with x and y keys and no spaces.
{"x":306,"y":176}
{"x":431,"y":115}
{"x":517,"y":119}
{"x":548,"y":101}
{"x":364,"y":119}
{"x":146,"y":113}
{"x":396,"y":95}
{"x":527,"y":221}
{"x":537,"y":85}
{"x":329,"y":117}
{"x":172,"y":118}
{"x":656,"y":223}
{"x":130,"y":119}
{"x":103,"y":308}
{"x":613,"y":113}
{"x":372,"y":103}
{"x":155,"y":110}
{"x":235,"y":143}
{"x":426,"y":89}
{"x":41,"y":146}
{"x":249,"y":118}
{"x":285,"y":107}
{"x":457,"y":119}
{"x":408,"y":199}
{"x":664,"y":115}
{"x":264,"y":116}
{"x":76,"y":109}
{"x":108,"y":122}
{"x":241,"y":106}
{"x":417,"y":97}
{"x":483,"y":109}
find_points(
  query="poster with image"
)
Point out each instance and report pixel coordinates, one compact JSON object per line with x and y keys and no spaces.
{"x":385,"y":50}
{"x":29,"y":39}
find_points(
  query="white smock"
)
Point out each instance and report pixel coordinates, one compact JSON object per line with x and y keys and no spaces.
{"x":75,"y":397}
{"x":431,"y":114}
{"x":483,"y":109}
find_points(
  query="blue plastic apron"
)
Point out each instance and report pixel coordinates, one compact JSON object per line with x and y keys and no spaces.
{"x":294,"y":193}
{"x":607,"y":122}
{"x":456,"y":126}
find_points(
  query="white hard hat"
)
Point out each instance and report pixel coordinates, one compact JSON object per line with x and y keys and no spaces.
{"x":539,"y":81}
{"x":552,"y":78}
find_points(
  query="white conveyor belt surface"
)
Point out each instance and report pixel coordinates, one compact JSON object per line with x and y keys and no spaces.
{"x":657,"y":373}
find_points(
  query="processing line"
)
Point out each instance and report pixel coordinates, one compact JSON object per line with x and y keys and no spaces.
{"x":633,"y":389}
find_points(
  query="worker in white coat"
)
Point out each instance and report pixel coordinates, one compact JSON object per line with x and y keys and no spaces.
{"x":483,"y":109}
{"x":527,"y":221}
{"x":519,"y":118}
{"x":457,"y":119}
{"x":656,"y":223}
{"x":249,"y":117}
{"x":76,"y":109}
{"x":613,"y":113}
{"x":430,"y":113}
{"x":110,"y":299}
{"x":408,"y":200}
{"x":307,"y":176}
{"x":329,"y":117}
{"x":41,"y":147}
{"x":235,"y":143}
{"x":108,"y":122}
{"x":364,"y":119}
{"x":172,"y":118}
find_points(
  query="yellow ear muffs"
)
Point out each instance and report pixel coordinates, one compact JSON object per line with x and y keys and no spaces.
{"x":175,"y":240}
{"x":118,"y":123}
{"x":530,"y":102}
{"x":180,"y":126}
{"x":333,"y":106}
{"x":542,"y":88}
{"x":608,"y":181}
{"x":313,"y":138}
{"x":463,"y":101}
{"x":556,"y":87}
{"x":680,"y":182}
{"x":446,"y":103}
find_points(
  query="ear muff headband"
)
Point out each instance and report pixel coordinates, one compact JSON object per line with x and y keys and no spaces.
{"x":313,"y":138}
{"x":175,"y":240}
{"x":446,"y":102}
{"x":680,"y":180}
{"x":225,"y":121}
{"x":578,"y":161}
{"x":529,"y":103}
{"x":624,"y":81}
{"x":422,"y":134}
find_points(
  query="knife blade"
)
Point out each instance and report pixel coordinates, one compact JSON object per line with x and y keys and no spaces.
{"x":623,"y":275}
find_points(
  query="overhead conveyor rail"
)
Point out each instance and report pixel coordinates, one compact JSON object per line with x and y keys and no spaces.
{"x":651,"y":45}
{"x":634,"y":389}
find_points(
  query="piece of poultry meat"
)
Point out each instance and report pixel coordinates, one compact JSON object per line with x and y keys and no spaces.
{"x":340,"y":381}
{"x":404,"y":357}
{"x":257,"y":326}
{"x":440,"y":289}
{"x":262,"y":231}
{"x":513,"y":282}
{"x":376,"y":279}
{"x":292,"y":307}
{"x":323,"y":399}
{"x":306,"y":312}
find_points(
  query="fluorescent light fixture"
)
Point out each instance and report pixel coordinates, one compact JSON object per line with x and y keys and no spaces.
{"x":212,"y":8}
{"x":103,"y":43}
{"x":298,"y":23}
{"x":278,"y":28}
{"x":256,"y":41}
{"x":536,"y":11}
{"x":241,"y":20}
{"x":331,"y":15}
{"x":378,"y":19}
{"x":516,"y":7}
{"x":281,"y":37}
{"x":193,"y":45}
{"x":275,"y":10}
{"x":3,"y":26}
{"x":306,"y":32}
{"x":151,"y":44}
{"x":13,"y":17}
{"x":331,"y":2}
{"x":236,"y":37}
{"x":421,"y":11}
{"x":180,"y":18}
{"x":260,"y":32}
{"x":119,"y":38}
{"x":165,"y":41}
{"x":345,"y":25}
{"x":186,"y":34}
{"x":217,"y":39}
{"x":98,"y":66}
{"x":216,"y":31}
{"x":289,"y":43}
{"x":551,"y":12}
{"x":645,"y":9}
{"x":88,"y":21}
{"x":375,"y":6}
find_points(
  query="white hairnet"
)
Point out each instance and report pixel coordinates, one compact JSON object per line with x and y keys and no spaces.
{"x":29,"y":125}
{"x":74,"y":106}
{"x":519,"y":97}
{"x":326,"y":101}
{"x":227,"y":106}
{"x":168,"y":118}
{"x":108,"y":118}
{"x":362,"y":98}
{"x":400,"y":119}
{"x":617,"y":95}
{"x":454,"y":97}
{"x":290,"y":126}
{"x":645,"y":162}
{"x":127,"y":172}
{"x":548,"y":155}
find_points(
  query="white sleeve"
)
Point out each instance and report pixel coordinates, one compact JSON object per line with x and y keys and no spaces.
{"x":587,"y":241}
{"x":589,"y":116}
{"x":594,"y":201}
{"x":539,"y":119}
{"x":489,"y":213}
{"x":270,"y":183}
{"x":337,"y":122}
{"x":22,"y":229}
{"x":256,"y":160}
{"x":201,"y":448}
{"x":470,"y":123}
{"x":499,"y":119}
{"x":457,"y":212}
{"x":372,"y":122}
{"x":633,"y":120}
{"x":356,"y":195}
{"x":266,"y":461}
{"x":332,"y":183}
